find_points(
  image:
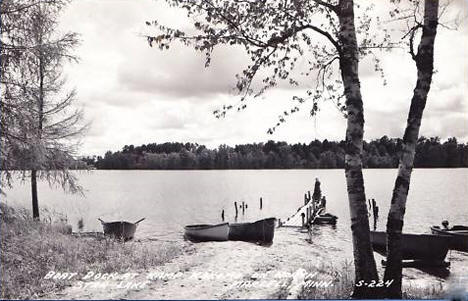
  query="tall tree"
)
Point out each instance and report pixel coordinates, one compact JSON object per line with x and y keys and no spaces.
{"x":13,"y":46}
{"x":424,"y":59}
{"x":274,"y":34}
{"x":46,"y":121}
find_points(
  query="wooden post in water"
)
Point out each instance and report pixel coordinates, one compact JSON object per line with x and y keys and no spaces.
{"x":313,"y":207}
{"x":375,"y":213}
{"x":261,"y":203}
{"x":305,"y":199}
{"x":308,"y":195}
{"x":243,"y":207}
{"x":235,"y":206}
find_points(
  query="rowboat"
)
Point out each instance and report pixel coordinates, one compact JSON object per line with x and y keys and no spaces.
{"x":120,"y":229}
{"x":325,"y":218}
{"x":458,"y":236}
{"x":198,"y":233}
{"x":422,"y":247}
{"x":261,"y":231}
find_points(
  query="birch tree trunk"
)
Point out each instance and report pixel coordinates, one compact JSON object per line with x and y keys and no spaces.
{"x":365,"y":268}
{"x":424,"y":62}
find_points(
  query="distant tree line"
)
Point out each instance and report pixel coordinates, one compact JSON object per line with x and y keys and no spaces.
{"x":379,"y":153}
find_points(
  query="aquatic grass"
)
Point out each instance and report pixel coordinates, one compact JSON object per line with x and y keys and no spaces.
{"x":30,"y":249}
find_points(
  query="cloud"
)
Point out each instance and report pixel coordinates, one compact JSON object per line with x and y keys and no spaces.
{"x":181,"y":73}
{"x":134,"y":94}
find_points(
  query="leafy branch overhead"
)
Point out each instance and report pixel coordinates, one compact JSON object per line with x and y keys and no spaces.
{"x":296,"y":42}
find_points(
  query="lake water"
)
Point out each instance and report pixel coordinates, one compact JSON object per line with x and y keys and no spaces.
{"x":171,"y":199}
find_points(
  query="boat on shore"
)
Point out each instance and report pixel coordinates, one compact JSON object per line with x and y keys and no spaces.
{"x":458,"y":236}
{"x":420,"y":247}
{"x":204,"y":232}
{"x":120,"y":229}
{"x":261,"y":231}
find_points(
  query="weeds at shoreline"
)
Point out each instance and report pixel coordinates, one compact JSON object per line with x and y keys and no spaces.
{"x":30,"y":249}
{"x":435,"y":291}
{"x":343,"y":282}
{"x":342,"y":279}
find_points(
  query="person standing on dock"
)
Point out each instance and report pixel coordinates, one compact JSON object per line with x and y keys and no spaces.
{"x":222,"y":215}
{"x":317,"y":195}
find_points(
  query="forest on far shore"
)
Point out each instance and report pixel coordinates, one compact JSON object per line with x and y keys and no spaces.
{"x":378,"y":153}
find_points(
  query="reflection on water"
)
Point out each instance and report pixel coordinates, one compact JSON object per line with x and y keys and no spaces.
{"x":171,"y":199}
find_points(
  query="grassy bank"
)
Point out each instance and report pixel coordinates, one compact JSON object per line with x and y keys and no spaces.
{"x":343,"y":281}
{"x":30,"y":249}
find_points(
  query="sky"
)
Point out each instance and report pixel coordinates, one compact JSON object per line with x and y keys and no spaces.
{"x":134,"y":94}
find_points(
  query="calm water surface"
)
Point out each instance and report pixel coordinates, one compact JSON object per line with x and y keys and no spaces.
{"x":171,"y":199}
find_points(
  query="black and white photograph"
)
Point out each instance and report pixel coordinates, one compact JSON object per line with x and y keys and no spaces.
{"x":234,"y":149}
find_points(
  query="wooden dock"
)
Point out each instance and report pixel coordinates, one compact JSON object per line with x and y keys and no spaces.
{"x":305,"y":215}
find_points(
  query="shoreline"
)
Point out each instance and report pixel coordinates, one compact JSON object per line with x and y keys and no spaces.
{"x":294,"y":267}
{"x":238,"y":270}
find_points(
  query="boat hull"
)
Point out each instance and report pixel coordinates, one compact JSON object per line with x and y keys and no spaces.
{"x":261,"y":231}
{"x":423,"y":247}
{"x":200,"y":233}
{"x":458,"y":239}
{"x":326,"y":218}
{"x":120,"y":230}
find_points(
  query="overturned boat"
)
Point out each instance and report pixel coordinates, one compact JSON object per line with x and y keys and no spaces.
{"x":261,"y":231}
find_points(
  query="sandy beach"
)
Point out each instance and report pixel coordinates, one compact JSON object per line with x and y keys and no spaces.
{"x":219,"y":270}
{"x":240,"y":270}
